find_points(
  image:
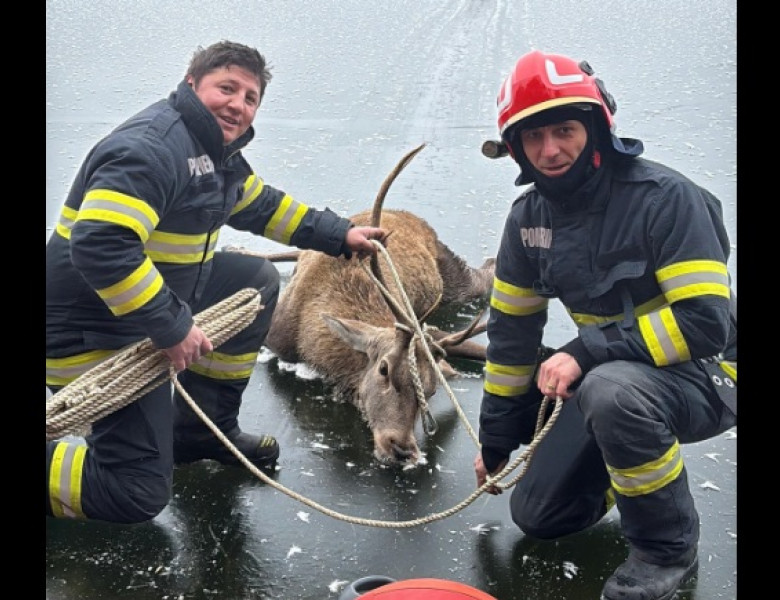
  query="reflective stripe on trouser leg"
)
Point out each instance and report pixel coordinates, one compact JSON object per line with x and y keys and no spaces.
{"x":565,"y":488}
{"x":217,"y":381}
{"x":64,"y":470}
{"x":124,"y":472}
{"x":661,"y":525}
{"x":639,"y":415}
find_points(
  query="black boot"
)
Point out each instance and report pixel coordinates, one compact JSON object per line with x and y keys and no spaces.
{"x":261,"y":450}
{"x":662,"y":529}
{"x":193,"y":440}
{"x":636,"y":579}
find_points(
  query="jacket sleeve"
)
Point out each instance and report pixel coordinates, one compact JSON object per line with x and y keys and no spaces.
{"x":515,"y":327}
{"x":267,"y":211}
{"x":688,"y":250}
{"x":126,"y":185}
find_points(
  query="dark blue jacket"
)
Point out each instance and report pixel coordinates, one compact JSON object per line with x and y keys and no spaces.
{"x":134,"y":242}
{"x":638,"y":261}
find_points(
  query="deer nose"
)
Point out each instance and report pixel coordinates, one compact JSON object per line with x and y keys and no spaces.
{"x":400,"y":453}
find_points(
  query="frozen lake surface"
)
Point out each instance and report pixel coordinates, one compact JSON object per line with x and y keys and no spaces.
{"x":355,"y":87}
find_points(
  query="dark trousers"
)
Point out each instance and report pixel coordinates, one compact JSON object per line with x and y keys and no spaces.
{"x":625,"y":415}
{"x":125,"y":475}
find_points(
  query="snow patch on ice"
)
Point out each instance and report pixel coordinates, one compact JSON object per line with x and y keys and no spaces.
{"x":570,"y":569}
{"x":301,"y":370}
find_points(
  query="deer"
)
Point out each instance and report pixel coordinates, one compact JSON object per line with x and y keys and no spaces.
{"x":352,"y":330}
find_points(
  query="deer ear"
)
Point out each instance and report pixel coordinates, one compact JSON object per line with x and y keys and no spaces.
{"x":356,"y":334}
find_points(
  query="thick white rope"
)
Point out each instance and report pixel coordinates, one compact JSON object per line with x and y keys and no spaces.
{"x":138,"y":369}
{"x":121,"y":379}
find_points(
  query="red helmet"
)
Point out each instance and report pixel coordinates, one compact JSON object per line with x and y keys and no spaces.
{"x":540,"y":81}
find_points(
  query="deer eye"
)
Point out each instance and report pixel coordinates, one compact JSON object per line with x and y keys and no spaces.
{"x":384,"y":369}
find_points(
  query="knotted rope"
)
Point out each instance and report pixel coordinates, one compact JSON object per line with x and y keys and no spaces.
{"x":426,"y":340}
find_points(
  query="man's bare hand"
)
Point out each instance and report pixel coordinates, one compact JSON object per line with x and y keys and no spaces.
{"x":482,"y":474}
{"x":359,"y":240}
{"x":557,"y":374}
{"x":189,"y":350}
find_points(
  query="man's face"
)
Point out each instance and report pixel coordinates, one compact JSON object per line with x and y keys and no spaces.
{"x":552,"y":149}
{"x":232,"y":95}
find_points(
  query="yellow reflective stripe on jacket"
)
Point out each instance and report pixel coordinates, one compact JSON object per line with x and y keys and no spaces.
{"x":506,"y":380}
{"x":67,"y":465}
{"x":119,"y":209}
{"x":285,"y":220}
{"x":133,"y":291}
{"x":649,"y":477}
{"x":694,"y":278}
{"x":180,"y":248}
{"x":65,"y":222}
{"x":252,"y":188}
{"x":730,"y":368}
{"x":583,"y":319}
{"x":217,"y":365}
{"x":61,"y":371}
{"x":663,"y":337}
{"x":513,"y":300}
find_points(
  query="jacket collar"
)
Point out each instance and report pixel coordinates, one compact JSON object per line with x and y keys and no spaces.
{"x":202,"y":124}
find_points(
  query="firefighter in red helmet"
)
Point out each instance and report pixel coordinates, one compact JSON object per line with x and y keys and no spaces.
{"x":637,"y":254}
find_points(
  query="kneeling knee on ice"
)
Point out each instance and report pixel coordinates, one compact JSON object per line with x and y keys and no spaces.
{"x":144,"y":498}
{"x":131,"y":496}
{"x":547,"y":519}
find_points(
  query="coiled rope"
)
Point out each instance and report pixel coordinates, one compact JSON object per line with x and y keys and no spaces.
{"x":137,"y":370}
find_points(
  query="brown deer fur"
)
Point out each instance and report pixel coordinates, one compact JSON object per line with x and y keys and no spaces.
{"x":333,"y":316}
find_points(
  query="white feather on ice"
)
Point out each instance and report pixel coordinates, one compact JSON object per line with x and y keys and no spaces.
{"x":336,"y":585}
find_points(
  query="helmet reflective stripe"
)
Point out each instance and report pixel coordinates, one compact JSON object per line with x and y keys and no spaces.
{"x":544,"y":106}
{"x":556,"y":79}
{"x":505,"y":94}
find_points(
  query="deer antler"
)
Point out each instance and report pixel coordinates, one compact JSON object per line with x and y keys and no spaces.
{"x":430,"y":310}
{"x":287,"y":256}
{"x":376,"y":217}
{"x":376,"y":211}
{"x":456,"y":344}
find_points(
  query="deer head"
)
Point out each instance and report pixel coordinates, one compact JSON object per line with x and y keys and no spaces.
{"x":398,"y":377}
{"x":392,"y":383}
